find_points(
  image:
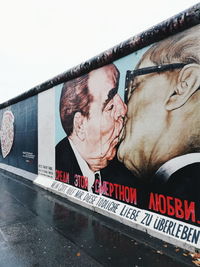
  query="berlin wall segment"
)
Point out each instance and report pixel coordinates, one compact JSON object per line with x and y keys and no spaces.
{"x":119,"y":134}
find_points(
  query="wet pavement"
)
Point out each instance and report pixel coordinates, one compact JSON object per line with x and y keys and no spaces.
{"x":38,"y":228}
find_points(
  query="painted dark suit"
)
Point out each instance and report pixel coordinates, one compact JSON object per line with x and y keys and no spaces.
{"x":182,"y":183}
{"x":66,"y":160}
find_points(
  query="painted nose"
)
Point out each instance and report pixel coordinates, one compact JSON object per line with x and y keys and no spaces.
{"x":120,"y":107}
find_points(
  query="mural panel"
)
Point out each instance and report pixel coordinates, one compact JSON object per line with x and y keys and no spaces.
{"x":18,"y":135}
{"x":130,"y":132}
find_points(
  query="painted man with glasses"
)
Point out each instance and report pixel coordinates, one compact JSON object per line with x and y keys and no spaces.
{"x":161,"y":140}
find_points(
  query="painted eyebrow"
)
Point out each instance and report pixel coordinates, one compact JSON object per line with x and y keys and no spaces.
{"x":111,"y":94}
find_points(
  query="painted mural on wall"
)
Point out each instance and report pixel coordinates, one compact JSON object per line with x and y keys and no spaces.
{"x":18,"y":135}
{"x":161,"y":138}
{"x":130,"y":131}
{"x":7,"y":132}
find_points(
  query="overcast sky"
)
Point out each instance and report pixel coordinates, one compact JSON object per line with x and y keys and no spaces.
{"x":43,"y":38}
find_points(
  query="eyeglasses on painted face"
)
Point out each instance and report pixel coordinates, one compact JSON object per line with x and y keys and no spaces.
{"x":131,"y":74}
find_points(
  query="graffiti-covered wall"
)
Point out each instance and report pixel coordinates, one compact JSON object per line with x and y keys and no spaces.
{"x":18,"y":136}
{"x":121,"y":138}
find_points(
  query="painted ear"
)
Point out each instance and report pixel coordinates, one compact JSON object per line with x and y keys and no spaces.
{"x":79,"y":125}
{"x":187,"y":83}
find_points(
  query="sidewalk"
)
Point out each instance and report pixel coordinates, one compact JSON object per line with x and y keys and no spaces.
{"x":38,"y":228}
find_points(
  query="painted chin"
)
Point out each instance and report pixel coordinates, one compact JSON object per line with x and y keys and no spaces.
{"x":121,"y":153}
{"x":109,"y":147}
{"x":104,"y":161}
{"x":128,"y":162}
{"x":111,"y":150}
{"x":125,"y":156}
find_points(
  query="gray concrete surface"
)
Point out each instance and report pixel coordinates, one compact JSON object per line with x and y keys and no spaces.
{"x":38,"y":228}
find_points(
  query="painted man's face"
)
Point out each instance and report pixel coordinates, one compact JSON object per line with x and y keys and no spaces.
{"x":105,"y":121}
{"x":145,"y":123}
